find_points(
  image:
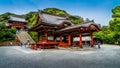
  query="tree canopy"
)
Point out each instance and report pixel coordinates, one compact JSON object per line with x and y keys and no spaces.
{"x":6,"y":34}
{"x":55,"y":11}
{"x":115,"y":23}
{"x":111,"y":34}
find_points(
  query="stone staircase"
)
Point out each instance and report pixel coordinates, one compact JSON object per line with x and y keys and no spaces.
{"x":23,"y":36}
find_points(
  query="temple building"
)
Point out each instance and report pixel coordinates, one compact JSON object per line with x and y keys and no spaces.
{"x":61,"y":30}
{"x":17,"y":22}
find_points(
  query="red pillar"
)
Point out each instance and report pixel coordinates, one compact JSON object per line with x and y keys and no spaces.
{"x":55,"y":38}
{"x":92,"y":39}
{"x":38,"y":36}
{"x":60,"y":41}
{"x":80,"y":42}
{"x":46,"y":35}
{"x":69,"y":39}
{"x":60,"y":38}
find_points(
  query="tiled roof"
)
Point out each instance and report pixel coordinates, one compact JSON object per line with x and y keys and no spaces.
{"x":53,"y":19}
{"x":13,"y":18}
{"x":78,"y":26}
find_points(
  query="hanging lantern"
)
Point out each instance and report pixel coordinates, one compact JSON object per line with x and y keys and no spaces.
{"x":65,"y":25}
{"x":81,"y":28}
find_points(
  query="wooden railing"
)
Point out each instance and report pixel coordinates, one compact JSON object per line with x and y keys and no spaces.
{"x":8,"y":43}
{"x":63,"y":44}
{"x":46,"y":44}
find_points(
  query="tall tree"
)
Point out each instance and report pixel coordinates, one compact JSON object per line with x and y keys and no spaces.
{"x":115,"y":23}
{"x":6,"y":34}
{"x":87,"y":20}
{"x":76,"y":19}
{"x":116,"y":12}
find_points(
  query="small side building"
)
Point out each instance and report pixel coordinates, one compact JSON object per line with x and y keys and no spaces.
{"x":17,"y":22}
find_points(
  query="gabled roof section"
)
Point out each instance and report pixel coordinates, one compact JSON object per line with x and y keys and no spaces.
{"x":84,"y":24}
{"x":53,"y":19}
{"x":14,"y":18}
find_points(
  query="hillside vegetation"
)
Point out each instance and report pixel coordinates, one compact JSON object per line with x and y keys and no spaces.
{"x":110,"y":34}
{"x":32,"y":18}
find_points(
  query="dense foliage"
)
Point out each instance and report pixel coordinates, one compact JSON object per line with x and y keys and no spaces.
{"x":111,"y":34}
{"x":32,"y":18}
{"x":6,"y":34}
{"x":115,"y":23}
{"x":55,"y":11}
{"x":4,"y":17}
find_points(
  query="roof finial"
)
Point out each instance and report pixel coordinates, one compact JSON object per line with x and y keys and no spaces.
{"x":92,"y":20}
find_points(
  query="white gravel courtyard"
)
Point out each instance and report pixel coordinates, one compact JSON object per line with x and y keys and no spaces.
{"x":108,"y":56}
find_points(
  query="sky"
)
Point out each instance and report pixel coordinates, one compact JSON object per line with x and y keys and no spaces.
{"x":97,"y":10}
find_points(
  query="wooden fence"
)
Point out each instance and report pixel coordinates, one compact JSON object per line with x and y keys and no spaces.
{"x":8,"y":43}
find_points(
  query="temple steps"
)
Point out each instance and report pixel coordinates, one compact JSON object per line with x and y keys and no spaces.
{"x":23,"y":36}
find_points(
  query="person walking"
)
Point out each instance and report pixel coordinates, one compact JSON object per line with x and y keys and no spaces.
{"x":28,"y":42}
{"x":10,"y":43}
{"x":98,"y":44}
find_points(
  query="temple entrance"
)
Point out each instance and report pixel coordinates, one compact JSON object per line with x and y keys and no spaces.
{"x":18,"y":28}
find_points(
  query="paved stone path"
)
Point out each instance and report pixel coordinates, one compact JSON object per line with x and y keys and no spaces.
{"x":19,"y":57}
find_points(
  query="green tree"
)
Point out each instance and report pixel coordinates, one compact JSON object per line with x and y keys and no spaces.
{"x":34,"y":35}
{"x":115,"y":23}
{"x":76,"y":19}
{"x":106,"y":35}
{"x":4,"y":17}
{"x":29,"y":15}
{"x":6,"y":34}
{"x":116,"y":12}
{"x":55,"y":11}
{"x":13,"y":30}
{"x":34,"y":19}
{"x":87,"y":20}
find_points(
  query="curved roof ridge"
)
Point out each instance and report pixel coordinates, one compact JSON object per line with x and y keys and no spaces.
{"x":79,"y":25}
{"x":53,"y":19}
{"x":15,"y":18}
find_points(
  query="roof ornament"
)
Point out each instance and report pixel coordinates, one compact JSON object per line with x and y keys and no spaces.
{"x":92,"y":20}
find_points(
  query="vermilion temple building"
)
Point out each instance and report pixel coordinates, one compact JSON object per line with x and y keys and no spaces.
{"x":58,"y":30}
{"x":17,"y":22}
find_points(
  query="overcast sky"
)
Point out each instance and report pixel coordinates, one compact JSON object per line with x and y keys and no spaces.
{"x":99,"y":10}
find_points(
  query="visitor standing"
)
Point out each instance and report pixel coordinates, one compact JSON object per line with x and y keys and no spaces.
{"x":10,"y":43}
{"x":98,"y":44}
{"x":28,"y":42}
